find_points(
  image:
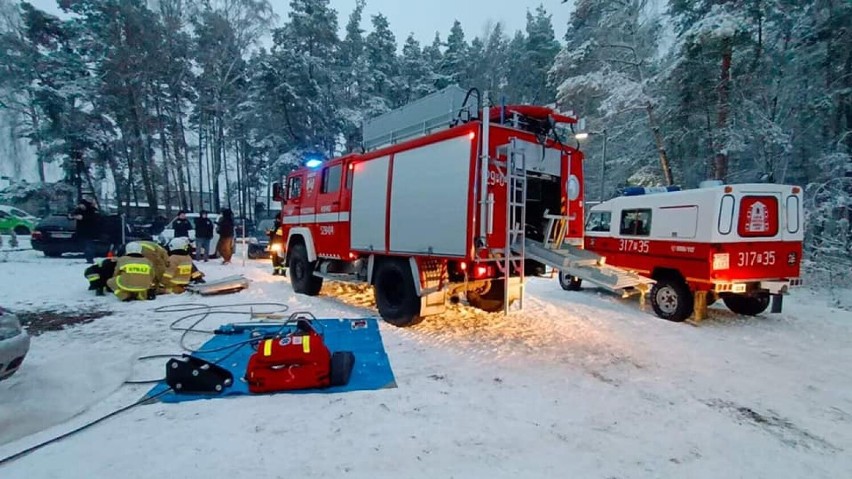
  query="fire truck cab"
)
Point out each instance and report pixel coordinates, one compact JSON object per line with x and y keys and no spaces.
{"x":439,"y":205}
{"x":739,"y":243}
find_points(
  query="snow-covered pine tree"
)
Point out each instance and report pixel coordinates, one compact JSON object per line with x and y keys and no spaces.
{"x":454,"y":61}
{"x":382,"y":85}
{"x":605,"y":73}
{"x":414,"y":69}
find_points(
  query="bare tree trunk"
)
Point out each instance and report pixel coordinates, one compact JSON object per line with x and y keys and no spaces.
{"x":164,"y":149}
{"x":661,"y":146}
{"x":218,"y":160}
{"x":34,"y":119}
{"x":720,"y":160}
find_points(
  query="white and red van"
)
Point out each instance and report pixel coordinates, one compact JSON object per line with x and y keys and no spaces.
{"x":741,"y":243}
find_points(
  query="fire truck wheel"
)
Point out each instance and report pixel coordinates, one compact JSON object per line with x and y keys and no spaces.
{"x":490,"y":300}
{"x":570,"y":283}
{"x":302,"y":272}
{"x":396,"y":297}
{"x":342,"y":363}
{"x":671,"y":299}
{"x":747,"y":305}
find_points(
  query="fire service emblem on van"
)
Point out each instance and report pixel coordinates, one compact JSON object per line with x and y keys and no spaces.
{"x":758,"y":218}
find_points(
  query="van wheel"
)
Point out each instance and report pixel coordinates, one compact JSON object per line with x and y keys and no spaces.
{"x":396,"y":297}
{"x":570,"y":283}
{"x":21,"y":230}
{"x":747,"y":305}
{"x":302,"y":272}
{"x":672,"y":300}
{"x":490,"y":300}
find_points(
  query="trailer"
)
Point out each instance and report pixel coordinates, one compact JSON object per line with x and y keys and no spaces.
{"x":738,"y":243}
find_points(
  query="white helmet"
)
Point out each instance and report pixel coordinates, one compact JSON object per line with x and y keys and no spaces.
{"x":133,"y":248}
{"x":179,"y":243}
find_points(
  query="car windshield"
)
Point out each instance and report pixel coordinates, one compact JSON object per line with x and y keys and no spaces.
{"x":265,"y":225}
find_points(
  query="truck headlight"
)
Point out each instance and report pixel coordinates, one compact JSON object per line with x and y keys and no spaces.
{"x":276,"y":247}
{"x":9,"y":327}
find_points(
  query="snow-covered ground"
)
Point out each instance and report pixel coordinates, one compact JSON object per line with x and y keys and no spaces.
{"x":577,"y":385}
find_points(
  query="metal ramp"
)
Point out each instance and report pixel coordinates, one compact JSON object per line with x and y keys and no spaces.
{"x":587,"y":266}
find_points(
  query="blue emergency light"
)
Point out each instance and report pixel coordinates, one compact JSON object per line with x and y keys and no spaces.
{"x":313,"y":160}
{"x":641,"y":190}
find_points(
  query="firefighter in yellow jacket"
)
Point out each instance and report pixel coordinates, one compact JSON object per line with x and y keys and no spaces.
{"x":158,"y":256}
{"x":179,"y":268}
{"x":134,"y":275}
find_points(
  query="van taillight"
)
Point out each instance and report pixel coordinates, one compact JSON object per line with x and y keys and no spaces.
{"x":36,"y":235}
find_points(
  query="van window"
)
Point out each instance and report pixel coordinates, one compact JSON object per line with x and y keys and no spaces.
{"x":758,"y":216}
{"x":677,"y":222}
{"x":599,"y":221}
{"x":294,"y":188}
{"x":331,"y":179}
{"x":726,"y":215}
{"x":792,"y":214}
{"x":636,"y":222}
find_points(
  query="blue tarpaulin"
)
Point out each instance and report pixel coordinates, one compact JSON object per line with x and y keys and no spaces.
{"x":372,"y":368}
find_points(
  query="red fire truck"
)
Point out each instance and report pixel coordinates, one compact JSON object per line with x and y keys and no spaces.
{"x":741,"y":243}
{"x":436,"y":210}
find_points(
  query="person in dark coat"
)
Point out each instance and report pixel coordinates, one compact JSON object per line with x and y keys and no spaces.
{"x":181,"y":225}
{"x":88,"y":227}
{"x":225,"y":246}
{"x":203,"y":235}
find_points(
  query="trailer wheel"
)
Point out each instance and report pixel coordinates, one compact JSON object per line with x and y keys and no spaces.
{"x":570,"y":283}
{"x":490,"y":300}
{"x":671,"y":299}
{"x":396,"y":296}
{"x":747,"y":305}
{"x":302,"y":272}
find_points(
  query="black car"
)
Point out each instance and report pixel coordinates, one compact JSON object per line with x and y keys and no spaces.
{"x":258,"y":245}
{"x":57,"y":234}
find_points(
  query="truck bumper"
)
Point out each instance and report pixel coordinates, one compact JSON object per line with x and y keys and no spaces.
{"x":780,"y":286}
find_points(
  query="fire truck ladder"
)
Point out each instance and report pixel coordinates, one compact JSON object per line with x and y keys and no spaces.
{"x":516,"y":216}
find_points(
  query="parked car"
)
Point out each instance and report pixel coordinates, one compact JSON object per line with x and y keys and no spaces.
{"x":258,"y":243}
{"x":19,"y":213}
{"x":10,"y":222}
{"x":57,"y":235}
{"x":14,"y":344}
{"x":168,"y":232}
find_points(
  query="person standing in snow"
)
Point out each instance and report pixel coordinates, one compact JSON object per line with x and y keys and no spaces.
{"x":181,"y":225}
{"x":225,"y":246}
{"x":87,"y":227}
{"x":203,"y":236}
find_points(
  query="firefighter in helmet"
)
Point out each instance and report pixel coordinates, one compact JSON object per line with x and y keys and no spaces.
{"x":180,"y":270}
{"x":134,"y":275}
{"x":157,"y":255}
{"x":276,"y":240}
{"x":99,"y":273}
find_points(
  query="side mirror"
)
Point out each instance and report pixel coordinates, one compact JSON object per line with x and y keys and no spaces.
{"x":277,"y":192}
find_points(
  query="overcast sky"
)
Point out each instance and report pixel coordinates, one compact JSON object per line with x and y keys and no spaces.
{"x":425,"y":17}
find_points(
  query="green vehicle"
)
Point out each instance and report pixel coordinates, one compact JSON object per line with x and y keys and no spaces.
{"x":10,"y":223}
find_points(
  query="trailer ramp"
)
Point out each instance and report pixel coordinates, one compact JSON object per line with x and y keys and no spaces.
{"x":586,"y":265}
